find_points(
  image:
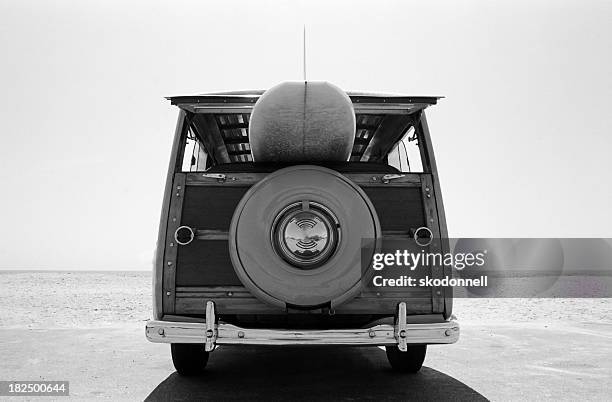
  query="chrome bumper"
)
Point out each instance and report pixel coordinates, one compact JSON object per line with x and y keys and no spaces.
{"x":212,"y":334}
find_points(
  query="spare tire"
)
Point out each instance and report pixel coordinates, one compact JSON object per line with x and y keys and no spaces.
{"x":296,"y":237}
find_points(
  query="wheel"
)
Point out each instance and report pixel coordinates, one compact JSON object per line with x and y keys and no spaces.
{"x":189,"y":358}
{"x":409,"y":361}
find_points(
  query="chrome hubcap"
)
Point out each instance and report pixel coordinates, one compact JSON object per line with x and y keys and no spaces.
{"x":305,"y":234}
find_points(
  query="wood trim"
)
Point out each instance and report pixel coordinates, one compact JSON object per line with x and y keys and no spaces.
{"x":158,"y":273}
{"x":170,"y":256}
{"x":225,"y":305}
{"x":180,"y":152}
{"x":396,"y":234}
{"x":211,"y":289}
{"x":431,"y":218}
{"x":182,"y":318}
{"x":423,"y":129}
{"x":359,"y":305}
{"x":376,"y":180}
{"x":238,"y":300}
{"x":248,"y":179}
{"x":237,"y":291}
{"x":205,"y":234}
{"x":231,"y":179}
{"x":386,"y":305}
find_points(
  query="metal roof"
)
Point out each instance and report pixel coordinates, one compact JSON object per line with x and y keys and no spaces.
{"x":251,"y":96}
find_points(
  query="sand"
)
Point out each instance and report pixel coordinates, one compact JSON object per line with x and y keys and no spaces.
{"x":88,"y":327}
{"x":74,"y":299}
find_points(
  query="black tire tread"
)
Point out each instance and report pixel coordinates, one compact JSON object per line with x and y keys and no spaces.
{"x":189,"y":358}
{"x":410,"y":361}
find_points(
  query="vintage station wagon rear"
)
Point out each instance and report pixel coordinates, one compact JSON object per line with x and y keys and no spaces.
{"x":270,"y":252}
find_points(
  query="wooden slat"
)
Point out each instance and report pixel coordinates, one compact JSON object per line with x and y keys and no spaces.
{"x":397,"y":234}
{"x":376,"y":180}
{"x":422,"y":130}
{"x":418,"y":302}
{"x":202,"y":234}
{"x":231,"y":179}
{"x":431,"y":218}
{"x":214,"y":289}
{"x":192,"y":305}
{"x":175,"y":160}
{"x":241,"y":291}
{"x":379,"y":305}
{"x":171,"y":250}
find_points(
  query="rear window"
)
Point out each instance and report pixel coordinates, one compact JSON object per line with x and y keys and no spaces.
{"x":378,"y":140}
{"x":406,"y":155}
{"x":195,"y":157}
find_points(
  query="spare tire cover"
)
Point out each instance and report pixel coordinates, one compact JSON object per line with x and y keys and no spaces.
{"x":262,"y":268}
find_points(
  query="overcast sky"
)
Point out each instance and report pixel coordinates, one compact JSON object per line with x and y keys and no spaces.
{"x":522,"y":138}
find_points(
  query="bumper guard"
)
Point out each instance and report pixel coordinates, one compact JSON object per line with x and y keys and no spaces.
{"x":211,"y":333}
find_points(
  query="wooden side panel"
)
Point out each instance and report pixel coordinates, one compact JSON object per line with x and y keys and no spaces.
{"x":398,"y":208}
{"x":208,"y":208}
{"x":206,"y":263}
{"x":211,"y":208}
{"x":205,"y":272}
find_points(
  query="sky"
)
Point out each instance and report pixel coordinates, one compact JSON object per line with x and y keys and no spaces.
{"x":522,"y":137}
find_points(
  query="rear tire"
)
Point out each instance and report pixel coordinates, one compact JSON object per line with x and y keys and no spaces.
{"x":189,"y":358}
{"x":409,"y":361}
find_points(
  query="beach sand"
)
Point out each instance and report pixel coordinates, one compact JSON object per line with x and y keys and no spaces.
{"x":88,"y":328}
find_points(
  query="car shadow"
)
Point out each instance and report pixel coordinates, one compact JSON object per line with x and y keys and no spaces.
{"x":307,"y":373}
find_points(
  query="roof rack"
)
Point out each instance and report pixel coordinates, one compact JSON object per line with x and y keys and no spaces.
{"x":381,"y":120}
